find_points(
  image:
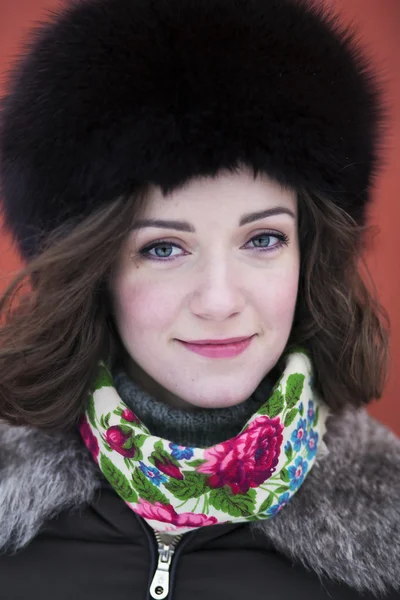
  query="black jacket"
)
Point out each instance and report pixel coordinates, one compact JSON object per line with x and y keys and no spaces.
{"x":65,"y":534}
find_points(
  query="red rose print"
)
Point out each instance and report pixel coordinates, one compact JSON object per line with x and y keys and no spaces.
{"x":195,"y":520}
{"x":167,"y":466}
{"x":116,"y":439}
{"x":165,"y":513}
{"x":128,"y":415}
{"x":247,"y":460}
{"x":88,"y":437}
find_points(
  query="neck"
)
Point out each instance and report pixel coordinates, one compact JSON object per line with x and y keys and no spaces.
{"x":200,"y":427}
{"x":152,"y":388}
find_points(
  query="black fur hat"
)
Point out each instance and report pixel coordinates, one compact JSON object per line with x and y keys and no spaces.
{"x":113,"y":93}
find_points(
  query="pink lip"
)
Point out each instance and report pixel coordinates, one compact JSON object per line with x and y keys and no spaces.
{"x":219,"y":348}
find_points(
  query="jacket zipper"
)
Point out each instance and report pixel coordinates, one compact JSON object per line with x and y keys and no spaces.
{"x":159,"y":588}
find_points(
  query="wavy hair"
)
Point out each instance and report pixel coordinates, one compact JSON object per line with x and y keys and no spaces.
{"x":53,"y":336}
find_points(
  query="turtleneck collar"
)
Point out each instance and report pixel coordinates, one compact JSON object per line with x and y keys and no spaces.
{"x":202,"y":428}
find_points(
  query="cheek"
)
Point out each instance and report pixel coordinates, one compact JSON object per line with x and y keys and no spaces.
{"x":146,"y":306}
{"x":279,"y":297}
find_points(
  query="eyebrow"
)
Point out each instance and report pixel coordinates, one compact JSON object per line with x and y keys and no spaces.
{"x":270,"y":212}
{"x":185,"y":226}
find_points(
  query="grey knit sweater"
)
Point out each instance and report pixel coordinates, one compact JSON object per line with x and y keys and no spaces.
{"x":202,"y":428}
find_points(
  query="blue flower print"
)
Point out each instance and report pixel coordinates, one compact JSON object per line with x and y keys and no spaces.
{"x":299,"y":436}
{"x":283,"y":500}
{"x":153,"y":474}
{"x":179,"y":452}
{"x":289,"y":450}
{"x":297,"y":473}
{"x":301,"y":408}
{"x":312,"y":445}
{"x":310,"y":412}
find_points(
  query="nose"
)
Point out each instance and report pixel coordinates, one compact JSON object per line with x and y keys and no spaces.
{"x":218,"y":292}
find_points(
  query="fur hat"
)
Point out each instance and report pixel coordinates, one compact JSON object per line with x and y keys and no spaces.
{"x":113,"y":93}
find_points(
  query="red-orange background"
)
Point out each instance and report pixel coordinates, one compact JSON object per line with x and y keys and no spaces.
{"x":378,"y":22}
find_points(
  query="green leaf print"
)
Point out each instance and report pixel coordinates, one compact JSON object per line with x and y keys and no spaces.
{"x":126,"y":429}
{"x":274,"y":406}
{"x":290,"y":417}
{"x":147,"y":490}
{"x":192,"y":486}
{"x":128,"y":463}
{"x":138,"y":454}
{"x":299,"y":350}
{"x":268,"y":502}
{"x":105,"y":421}
{"x":103,"y":378}
{"x":289,"y":450}
{"x":91,"y":413}
{"x":281,"y":489}
{"x":117,"y":480}
{"x":285,"y":475}
{"x":236,"y":505}
{"x":294,"y":388}
{"x":140,"y":440}
{"x":163,"y":457}
{"x":196,"y":463}
{"x":129,"y":443}
{"x":316,"y":416}
{"x":159,"y":446}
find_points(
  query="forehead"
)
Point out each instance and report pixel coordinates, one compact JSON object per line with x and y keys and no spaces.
{"x":226,"y":193}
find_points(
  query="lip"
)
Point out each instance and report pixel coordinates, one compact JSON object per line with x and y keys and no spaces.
{"x":227,"y":348}
{"x":219,"y":342}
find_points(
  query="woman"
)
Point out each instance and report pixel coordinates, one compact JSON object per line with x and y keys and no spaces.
{"x":183,"y":390}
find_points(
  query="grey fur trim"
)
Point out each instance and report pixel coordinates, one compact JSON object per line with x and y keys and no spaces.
{"x":343,"y":523}
{"x":40,"y":475}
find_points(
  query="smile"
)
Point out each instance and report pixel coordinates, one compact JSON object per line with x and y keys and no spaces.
{"x":218,"y":348}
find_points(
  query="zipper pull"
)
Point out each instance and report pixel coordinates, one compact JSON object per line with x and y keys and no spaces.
{"x":159,"y":588}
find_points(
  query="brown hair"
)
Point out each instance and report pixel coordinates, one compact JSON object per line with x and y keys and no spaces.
{"x":51,"y":342}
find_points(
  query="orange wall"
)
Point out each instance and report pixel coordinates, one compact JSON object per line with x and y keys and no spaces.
{"x":377,"y":21}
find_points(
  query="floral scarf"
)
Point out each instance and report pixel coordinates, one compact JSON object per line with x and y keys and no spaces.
{"x":177,"y":489}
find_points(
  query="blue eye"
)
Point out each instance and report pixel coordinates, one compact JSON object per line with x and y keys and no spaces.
{"x":262,"y":241}
{"x":163,"y":250}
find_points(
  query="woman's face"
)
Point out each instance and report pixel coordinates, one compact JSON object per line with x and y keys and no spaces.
{"x":216,"y":260}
